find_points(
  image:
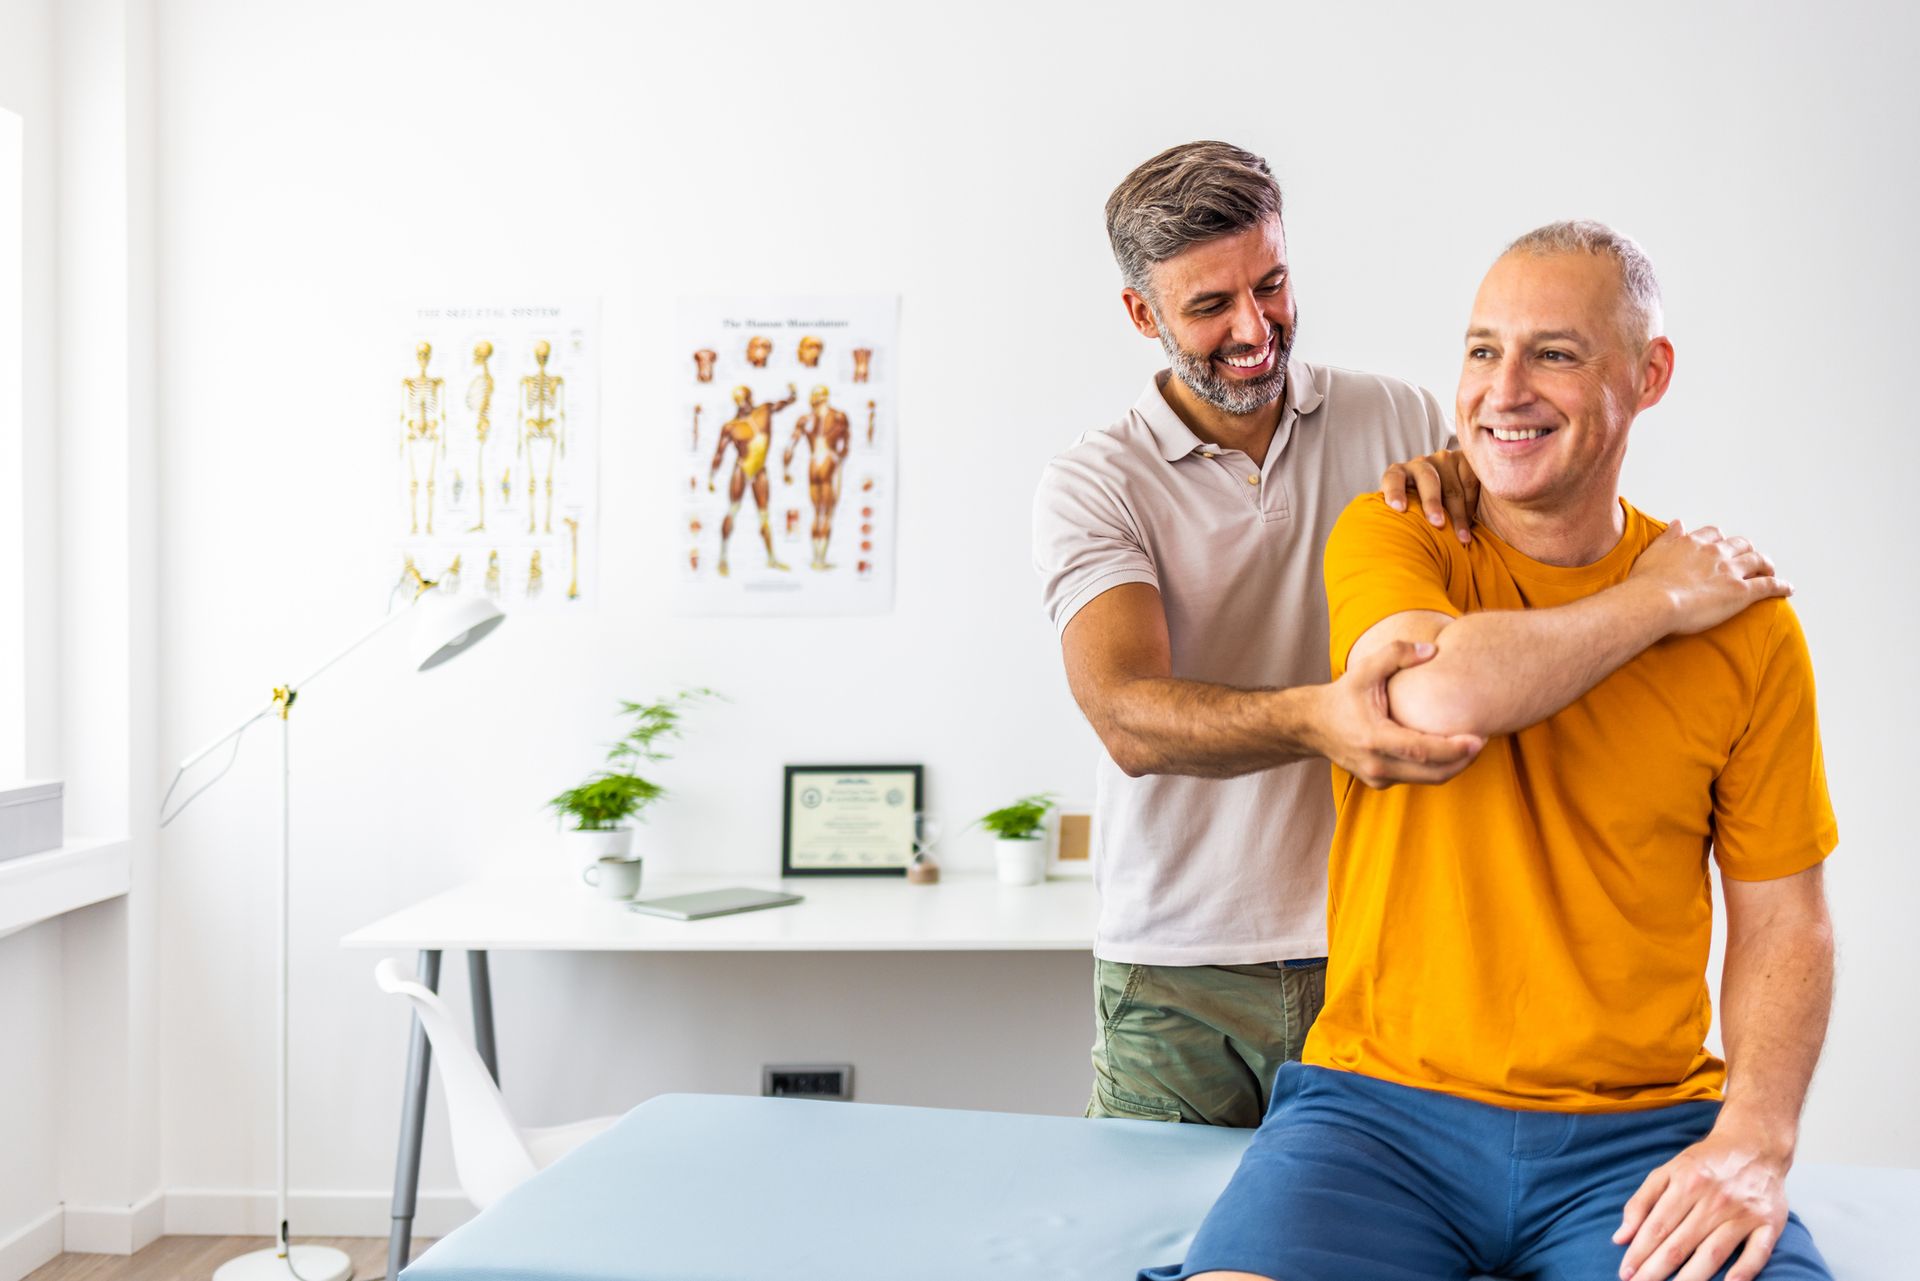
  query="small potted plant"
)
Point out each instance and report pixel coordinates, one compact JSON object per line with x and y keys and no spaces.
{"x":602,"y":808}
{"x":1020,"y":839}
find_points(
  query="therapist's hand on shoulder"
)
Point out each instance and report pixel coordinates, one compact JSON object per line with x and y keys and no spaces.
{"x":1356,"y":731}
{"x":1705,"y":577}
{"x":1446,"y":486}
{"x":1692,"y":1213}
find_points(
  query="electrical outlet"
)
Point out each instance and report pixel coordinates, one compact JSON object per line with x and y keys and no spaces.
{"x":807,"y":1080}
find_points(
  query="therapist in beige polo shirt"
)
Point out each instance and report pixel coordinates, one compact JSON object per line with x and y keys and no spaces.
{"x":1180,"y":550}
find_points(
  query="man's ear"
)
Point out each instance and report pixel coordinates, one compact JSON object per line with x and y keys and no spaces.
{"x":1140,"y":312}
{"x":1656,"y":372}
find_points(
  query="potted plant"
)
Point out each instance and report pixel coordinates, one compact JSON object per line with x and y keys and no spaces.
{"x":1020,"y":844}
{"x":602,"y":808}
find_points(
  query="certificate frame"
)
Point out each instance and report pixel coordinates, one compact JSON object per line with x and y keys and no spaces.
{"x":800,"y":854}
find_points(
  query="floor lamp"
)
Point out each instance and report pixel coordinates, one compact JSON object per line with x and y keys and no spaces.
{"x":443,"y":628}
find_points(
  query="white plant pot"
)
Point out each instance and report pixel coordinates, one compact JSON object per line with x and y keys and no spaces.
{"x":1020,"y":862}
{"x":585,"y":848}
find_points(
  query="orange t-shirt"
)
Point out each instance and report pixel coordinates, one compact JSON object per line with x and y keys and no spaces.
{"x":1534,"y":933}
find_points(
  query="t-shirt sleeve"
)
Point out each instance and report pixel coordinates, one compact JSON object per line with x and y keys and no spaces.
{"x":1771,"y":813}
{"x":1380,"y":562}
{"x":1085,"y":541}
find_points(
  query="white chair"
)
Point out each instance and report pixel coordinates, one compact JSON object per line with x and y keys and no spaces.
{"x":490,"y":1153}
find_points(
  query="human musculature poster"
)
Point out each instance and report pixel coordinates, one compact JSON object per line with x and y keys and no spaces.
{"x":786,"y":411}
{"x":496,"y":448}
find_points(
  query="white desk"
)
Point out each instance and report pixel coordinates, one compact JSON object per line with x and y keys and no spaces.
{"x":553,"y":911}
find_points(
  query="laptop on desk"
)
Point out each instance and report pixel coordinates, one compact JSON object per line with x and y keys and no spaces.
{"x":699,"y":906}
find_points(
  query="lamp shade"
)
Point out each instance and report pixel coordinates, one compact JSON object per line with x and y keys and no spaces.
{"x":445,"y":627}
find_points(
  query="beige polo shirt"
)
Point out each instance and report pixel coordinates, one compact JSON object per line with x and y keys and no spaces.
{"x":1194,"y":871}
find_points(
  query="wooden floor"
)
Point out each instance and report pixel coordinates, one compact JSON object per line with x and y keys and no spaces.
{"x":195,"y":1258}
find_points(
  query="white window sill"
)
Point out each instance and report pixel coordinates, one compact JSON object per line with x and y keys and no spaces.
{"x":40,"y":887}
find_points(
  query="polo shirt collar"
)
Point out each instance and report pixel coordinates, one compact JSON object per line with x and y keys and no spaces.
{"x":1176,"y":440}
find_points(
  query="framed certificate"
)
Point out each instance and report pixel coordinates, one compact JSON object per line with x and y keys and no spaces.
{"x":849,"y":820}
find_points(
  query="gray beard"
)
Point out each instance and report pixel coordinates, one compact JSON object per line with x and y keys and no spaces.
{"x":1232,"y":396}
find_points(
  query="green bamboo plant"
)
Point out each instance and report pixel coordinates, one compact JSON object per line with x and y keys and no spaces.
{"x":1024,"y":820}
{"x":618,"y":793}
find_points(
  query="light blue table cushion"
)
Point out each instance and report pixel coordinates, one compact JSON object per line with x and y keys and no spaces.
{"x":722,"y":1188}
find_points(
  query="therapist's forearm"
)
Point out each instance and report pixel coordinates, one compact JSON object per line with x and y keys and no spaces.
{"x":1166,"y":725}
{"x":1504,"y":670}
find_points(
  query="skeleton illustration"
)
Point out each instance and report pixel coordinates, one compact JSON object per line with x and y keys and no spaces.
{"x":410,"y":575}
{"x":480,"y":401}
{"x":870,"y":412}
{"x":493,"y":573}
{"x":543,"y":421}
{"x":573,"y":533}
{"x":862,"y":358}
{"x":536,"y":578}
{"x":703,"y":363}
{"x":696,"y":429}
{"x":423,"y":418}
{"x":809,"y":351}
{"x":758,"y":349}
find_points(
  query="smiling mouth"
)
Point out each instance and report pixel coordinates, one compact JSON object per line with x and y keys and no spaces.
{"x":1518,"y":435}
{"x":1252,"y":362}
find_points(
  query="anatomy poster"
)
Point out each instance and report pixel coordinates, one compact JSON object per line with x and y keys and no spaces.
{"x":496,"y":446}
{"x":786,"y":414}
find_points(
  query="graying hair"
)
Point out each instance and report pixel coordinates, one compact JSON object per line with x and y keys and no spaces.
{"x":1186,"y":195}
{"x":1640,"y":292}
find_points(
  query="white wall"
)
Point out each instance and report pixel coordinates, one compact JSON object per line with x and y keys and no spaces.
{"x":79,"y":1082}
{"x":31,"y":972}
{"x":319,"y":165}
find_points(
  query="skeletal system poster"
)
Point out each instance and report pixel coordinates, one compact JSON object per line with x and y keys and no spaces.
{"x":786,"y":414}
{"x":497,"y":451}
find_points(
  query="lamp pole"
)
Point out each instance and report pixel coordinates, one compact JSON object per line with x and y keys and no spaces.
{"x":441,"y":633}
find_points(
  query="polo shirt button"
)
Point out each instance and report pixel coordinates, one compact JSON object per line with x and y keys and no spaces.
{"x":1254,"y":479}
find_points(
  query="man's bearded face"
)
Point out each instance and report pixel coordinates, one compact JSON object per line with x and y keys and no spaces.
{"x":1223,"y":391}
{"x":1224,"y":313}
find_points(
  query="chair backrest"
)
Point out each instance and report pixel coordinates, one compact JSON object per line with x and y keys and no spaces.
{"x":488,"y":1152}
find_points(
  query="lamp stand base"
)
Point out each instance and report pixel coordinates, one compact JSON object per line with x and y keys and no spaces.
{"x":311,"y":1262}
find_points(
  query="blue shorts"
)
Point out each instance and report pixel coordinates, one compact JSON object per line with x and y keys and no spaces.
{"x":1353,"y":1179}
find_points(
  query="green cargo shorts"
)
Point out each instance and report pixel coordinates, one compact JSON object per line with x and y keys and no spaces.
{"x":1198,"y":1043}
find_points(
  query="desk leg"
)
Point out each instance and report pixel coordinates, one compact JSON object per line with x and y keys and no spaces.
{"x":413,"y":1124}
{"x":480,"y":985}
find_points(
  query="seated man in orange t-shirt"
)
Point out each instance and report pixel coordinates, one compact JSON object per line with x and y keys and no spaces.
{"x":1510,"y":1075}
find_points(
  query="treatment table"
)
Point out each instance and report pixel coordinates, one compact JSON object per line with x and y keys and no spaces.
{"x":725,"y":1188}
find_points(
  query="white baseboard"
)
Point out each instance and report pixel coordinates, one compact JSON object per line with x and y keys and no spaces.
{"x":33,"y":1245}
{"x":216,"y":1213}
{"x":113,"y":1229}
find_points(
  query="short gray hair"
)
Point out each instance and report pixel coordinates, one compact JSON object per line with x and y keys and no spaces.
{"x":1186,"y":195}
{"x":1640,"y":292}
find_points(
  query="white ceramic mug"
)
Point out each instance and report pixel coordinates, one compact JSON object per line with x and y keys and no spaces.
{"x":614,"y":877}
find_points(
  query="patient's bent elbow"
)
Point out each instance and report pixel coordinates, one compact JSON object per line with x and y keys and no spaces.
{"x":1435,"y":706}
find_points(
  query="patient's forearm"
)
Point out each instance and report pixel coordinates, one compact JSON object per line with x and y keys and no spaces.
{"x":1504,"y":670}
{"x":1776,"y":992}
